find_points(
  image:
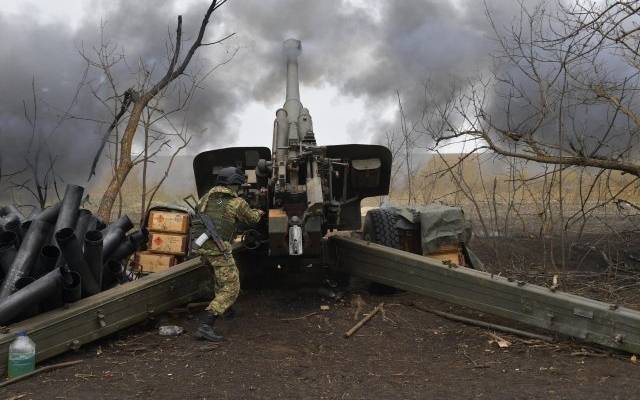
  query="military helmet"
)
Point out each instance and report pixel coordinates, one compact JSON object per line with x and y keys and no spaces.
{"x":230,"y":176}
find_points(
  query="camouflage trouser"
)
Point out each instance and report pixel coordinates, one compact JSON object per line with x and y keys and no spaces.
{"x":227,"y":282}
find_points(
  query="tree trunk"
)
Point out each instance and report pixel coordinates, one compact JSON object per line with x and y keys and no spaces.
{"x":124,"y":163}
{"x":145,"y":162}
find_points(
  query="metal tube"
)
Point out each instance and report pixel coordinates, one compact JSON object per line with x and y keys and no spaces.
{"x":32,"y":309}
{"x":292,"y":105}
{"x":49,"y":286}
{"x":10,"y":219}
{"x":85,"y":218}
{"x":12,"y":224}
{"x":112,"y":274}
{"x":34,"y":212}
{"x":11,"y":209}
{"x":282,"y":148}
{"x":8,"y":250}
{"x":93,"y":255}
{"x":27,"y":256}
{"x":24,"y":281}
{"x":100,"y":225}
{"x":72,"y":254}
{"x":47,"y":261}
{"x":24,"y":227}
{"x":123,"y":223}
{"x":135,"y":241}
{"x":140,"y":238}
{"x":111,"y":241}
{"x":274,"y":139}
{"x":282,"y":132}
{"x":292,"y":49}
{"x":72,"y":289}
{"x":68,"y":214}
{"x":49,"y":214}
{"x":8,"y":238}
{"x":123,"y":251}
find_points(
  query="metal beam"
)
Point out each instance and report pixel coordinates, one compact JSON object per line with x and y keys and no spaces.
{"x":91,"y":318}
{"x":578,"y":317}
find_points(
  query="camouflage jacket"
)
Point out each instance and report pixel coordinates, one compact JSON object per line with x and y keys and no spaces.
{"x":226,"y":209}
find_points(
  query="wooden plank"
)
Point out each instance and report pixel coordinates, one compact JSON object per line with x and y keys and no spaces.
{"x":579,"y":317}
{"x":58,"y":331}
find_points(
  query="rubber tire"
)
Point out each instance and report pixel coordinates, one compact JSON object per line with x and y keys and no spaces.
{"x":380,"y":228}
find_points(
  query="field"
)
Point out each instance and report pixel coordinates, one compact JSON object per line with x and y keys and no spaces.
{"x":282,"y":345}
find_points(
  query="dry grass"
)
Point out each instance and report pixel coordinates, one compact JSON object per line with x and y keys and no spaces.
{"x":506,"y":196}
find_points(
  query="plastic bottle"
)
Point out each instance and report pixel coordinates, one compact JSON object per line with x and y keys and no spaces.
{"x":170,"y":330}
{"x":22,"y":355}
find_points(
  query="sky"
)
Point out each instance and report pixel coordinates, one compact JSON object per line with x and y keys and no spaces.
{"x":335,"y":114}
{"x":356,"y":55}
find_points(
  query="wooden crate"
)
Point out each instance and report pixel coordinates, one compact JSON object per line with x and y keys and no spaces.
{"x":154,"y":262}
{"x":448,"y":253}
{"x":168,"y":243}
{"x":168,"y":221}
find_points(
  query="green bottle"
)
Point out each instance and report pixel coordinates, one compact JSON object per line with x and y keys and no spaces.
{"x":22,"y":355}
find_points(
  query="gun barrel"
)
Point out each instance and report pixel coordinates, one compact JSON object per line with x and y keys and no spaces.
{"x":292,"y":49}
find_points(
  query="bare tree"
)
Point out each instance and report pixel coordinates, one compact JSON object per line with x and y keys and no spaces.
{"x":402,"y":143}
{"x":562,"y":95}
{"x":133,"y":102}
{"x":157,"y":139}
{"x":38,"y":177}
{"x":559,"y":66}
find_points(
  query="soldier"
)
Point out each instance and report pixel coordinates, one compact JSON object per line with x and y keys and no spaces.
{"x":226,"y":209}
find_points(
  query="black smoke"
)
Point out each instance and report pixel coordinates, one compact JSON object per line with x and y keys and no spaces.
{"x":365,"y":49}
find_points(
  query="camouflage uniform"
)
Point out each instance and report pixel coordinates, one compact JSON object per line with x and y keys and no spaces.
{"x":225,"y":208}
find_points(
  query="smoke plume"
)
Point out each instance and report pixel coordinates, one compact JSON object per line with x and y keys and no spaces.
{"x":367,"y":50}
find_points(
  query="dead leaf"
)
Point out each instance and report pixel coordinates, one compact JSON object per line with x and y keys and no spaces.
{"x":501,"y":342}
{"x":634,"y":359}
{"x":325,"y":307}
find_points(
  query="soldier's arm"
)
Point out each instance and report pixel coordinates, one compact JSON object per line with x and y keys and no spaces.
{"x":246,"y":214}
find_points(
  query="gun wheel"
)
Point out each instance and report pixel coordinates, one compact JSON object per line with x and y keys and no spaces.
{"x":380,"y":228}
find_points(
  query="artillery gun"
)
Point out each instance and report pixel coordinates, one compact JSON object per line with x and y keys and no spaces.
{"x":305,"y":189}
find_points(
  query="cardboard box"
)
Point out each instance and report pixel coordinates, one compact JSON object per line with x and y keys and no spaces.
{"x":168,"y":243}
{"x":154,"y":262}
{"x":168,"y":221}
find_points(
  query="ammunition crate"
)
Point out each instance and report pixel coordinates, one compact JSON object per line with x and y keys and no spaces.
{"x":168,"y":221}
{"x":154,"y":262}
{"x":168,"y":243}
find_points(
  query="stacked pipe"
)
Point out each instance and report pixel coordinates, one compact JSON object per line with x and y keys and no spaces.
{"x":60,"y":255}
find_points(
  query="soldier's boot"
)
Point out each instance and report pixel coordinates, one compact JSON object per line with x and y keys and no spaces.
{"x":229,"y":314}
{"x":206,"y":331}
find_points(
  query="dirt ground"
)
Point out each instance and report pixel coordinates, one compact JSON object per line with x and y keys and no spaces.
{"x":282,"y":344}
